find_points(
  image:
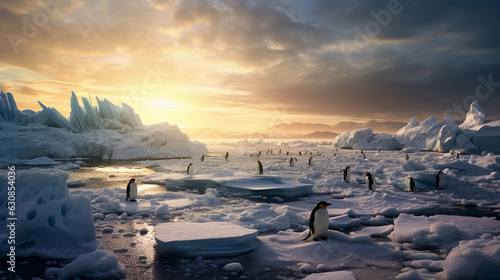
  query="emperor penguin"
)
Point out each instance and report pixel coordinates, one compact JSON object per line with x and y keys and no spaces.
{"x":369,"y":182}
{"x":202,"y":158}
{"x":318,"y":222}
{"x":292,"y":162}
{"x":310,"y":161}
{"x":458,"y":155}
{"x":259,"y":154}
{"x":347,"y":174}
{"x":407,"y":158}
{"x":363,"y":156}
{"x":226,"y":157}
{"x":440,"y":180}
{"x":300,"y":153}
{"x":411,"y":185}
{"x":280,"y":151}
{"x":131,"y":190}
{"x":260,"y":170}
{"x":287,"y":153}
{"x":190,"y":169}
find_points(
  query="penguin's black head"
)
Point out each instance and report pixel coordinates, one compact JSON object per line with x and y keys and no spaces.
{"x":323,"y":203}
{"x":368,"y":174}
{"x":132,"y":180}
{"x":348,"y":167}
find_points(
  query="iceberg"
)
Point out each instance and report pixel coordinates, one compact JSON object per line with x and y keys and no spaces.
{"x":105,"y":131}
{"x":208,"y":240}
{"x":474,"y":117}
{"x":365,"y":139}
{"x":472,"y":136}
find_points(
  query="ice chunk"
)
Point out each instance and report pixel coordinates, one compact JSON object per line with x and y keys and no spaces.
{"x":474,"y":259}
{"x":412,"y":165}
{"x":334,"y":275}
{"x":241,"y":184}
{"x":52,"y":223}
{"x":215,"y":239}
{"x":441,"y":231}
{"x":376,"y":231}
{"x":233,"y":267}
{"x":96,"y":265}
{"x":488,"y":137}
{"x":344,"y":221}
{"x":41,"y":161}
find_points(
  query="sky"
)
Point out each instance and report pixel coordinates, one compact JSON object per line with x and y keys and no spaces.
{"x":242,"y":65}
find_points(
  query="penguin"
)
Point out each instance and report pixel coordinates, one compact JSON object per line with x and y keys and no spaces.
{"x":318,"y":222}
{"x":411,"y":185}
{"x":361,"y":152}
{"x":287,"y":153}
{"x":458,"y":155}
{"x":334,"y":154}
{"x":295,"y":159}
{"x":226,"y":157}
{"x":407,"y":158}
{"x":252,"y":156}
{"x":440,"y":180}
{"x":347,"y":174}
{"x":363,"y":156}
{"x":310,"y":161}
{"x":300,"y":153}
{"x":260,"y":170}
{"x":202,"y":158}
{"x":190,"y":169}
{"x":131,"y":190}
{"x":369,"y":182}
{"x":292,"y":162}
{"x":280,"y":151}
{"x":259,"y":154}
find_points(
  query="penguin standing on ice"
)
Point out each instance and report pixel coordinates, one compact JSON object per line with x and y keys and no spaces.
{"x":226,"y":157}
{"x":407,"y":158}
{"x":369,"y":182}
{"x":259,"y":154}
{"x":131,"y":190}
{"x":190,"y":169}
{"x":318,"y":222}
{"x":310,"y":161}
{"x":458,"y":155}
{"x":440,"y":180}
{"x":287,"y":153}
{"x":260,"y":170}
{"x":347,"y":174}
{"x":202,"y":158}
{"x":411,"y":185}
{"x":292,"y":162}
{"x":300,"y":153}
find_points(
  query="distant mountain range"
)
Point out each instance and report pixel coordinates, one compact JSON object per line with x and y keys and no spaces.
{"x":298,"y":130}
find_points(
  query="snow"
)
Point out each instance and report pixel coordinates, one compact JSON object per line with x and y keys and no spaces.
{"x":474,"y":259}
{"x":95,"y":265}
{"x":53,"y":223}
{"x":216,"y":239}
{"x":421,"y":246}
{"x":335,"y":275}
{"x":233,"y":267}
{"x":41,"y":161}
{"x":440,"y":231}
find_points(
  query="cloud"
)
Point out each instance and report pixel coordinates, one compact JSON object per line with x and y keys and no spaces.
{"x":281,"y":54}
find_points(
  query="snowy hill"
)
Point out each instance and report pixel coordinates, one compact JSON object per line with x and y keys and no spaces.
{"x":103,"y":131}
{"x":472,"y":136}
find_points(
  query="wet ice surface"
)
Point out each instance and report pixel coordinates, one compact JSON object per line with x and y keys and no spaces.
{"x":127,"y":230}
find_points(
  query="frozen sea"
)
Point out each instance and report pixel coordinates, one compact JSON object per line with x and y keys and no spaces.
{"x":388,"y":233}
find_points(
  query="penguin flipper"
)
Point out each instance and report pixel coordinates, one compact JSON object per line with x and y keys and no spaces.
{"x":309,"y":235}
